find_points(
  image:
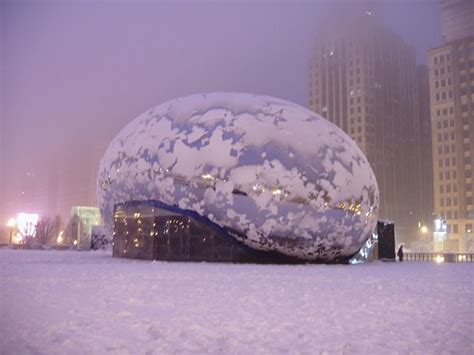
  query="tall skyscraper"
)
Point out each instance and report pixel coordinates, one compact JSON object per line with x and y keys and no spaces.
{"x":425,"y":194}
{"x":457,"y":19}
{"x":363,"y":78}
{"x":451,"y":71}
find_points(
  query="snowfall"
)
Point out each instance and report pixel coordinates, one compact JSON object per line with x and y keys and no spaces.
{"x":70,"y":302}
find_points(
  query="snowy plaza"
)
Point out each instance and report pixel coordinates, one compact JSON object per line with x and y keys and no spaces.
{"x":73,"y":302}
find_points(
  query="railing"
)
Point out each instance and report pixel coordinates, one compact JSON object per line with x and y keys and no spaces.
{"x":440,"y":257}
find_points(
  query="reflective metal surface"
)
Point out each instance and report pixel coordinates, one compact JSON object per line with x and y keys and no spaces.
{"x":279,"y":176}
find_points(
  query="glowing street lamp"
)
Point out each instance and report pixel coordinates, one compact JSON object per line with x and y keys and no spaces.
{"x":440,"y":225}
{"x":424,"y":229}
{"x":440,"y":234}
{"x":11,"y":224}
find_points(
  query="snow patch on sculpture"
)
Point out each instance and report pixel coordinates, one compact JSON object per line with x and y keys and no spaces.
{"x":275,"y":174}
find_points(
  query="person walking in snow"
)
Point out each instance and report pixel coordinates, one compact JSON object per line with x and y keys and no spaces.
{"x":400,"y":253}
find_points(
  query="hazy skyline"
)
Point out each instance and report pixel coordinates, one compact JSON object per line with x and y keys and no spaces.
{"x":73,"y":73}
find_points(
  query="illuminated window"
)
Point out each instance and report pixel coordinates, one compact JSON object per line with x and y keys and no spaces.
{"x":468,"y":227}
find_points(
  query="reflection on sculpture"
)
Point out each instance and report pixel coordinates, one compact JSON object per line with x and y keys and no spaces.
{"x":271,"y":173}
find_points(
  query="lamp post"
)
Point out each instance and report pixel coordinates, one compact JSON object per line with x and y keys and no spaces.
{"x":11,"y":224}
{"x":440,"y":234}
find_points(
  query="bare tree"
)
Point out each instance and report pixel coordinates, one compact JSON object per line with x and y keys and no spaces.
{"x":47,"y":230}
{"x":74,"y":231}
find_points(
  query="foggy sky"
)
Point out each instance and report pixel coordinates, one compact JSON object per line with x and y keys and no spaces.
{"x":73,"y":73}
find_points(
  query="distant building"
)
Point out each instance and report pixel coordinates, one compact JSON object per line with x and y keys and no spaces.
{"x":451,"y":71}
{"x":89,"y":216}
{"x":31,"y":190}
{"x":363,"y":78}
{"x":76,"y":179}
{"x":457,"y":19}
{"x":62,"y":180}
{"x":426,"y":163}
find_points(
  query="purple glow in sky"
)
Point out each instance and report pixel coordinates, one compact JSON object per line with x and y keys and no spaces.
{"x":73,"y":73}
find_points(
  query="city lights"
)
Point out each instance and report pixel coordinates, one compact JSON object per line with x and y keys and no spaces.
{"x":440,"y":225}
{"x":18,"y":238}
{"x":11,"y":223}
{"x":207,"y":177}
{"x":27,"y":223}
{"x":277,"y":191}
{"x":60,"y":238}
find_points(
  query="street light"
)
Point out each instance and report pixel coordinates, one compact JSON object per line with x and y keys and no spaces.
{"x":424,"y":229}
{"x":11,"y":224}
{"x":440,"y":234}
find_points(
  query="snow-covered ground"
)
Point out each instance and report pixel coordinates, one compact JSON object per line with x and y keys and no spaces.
{"x":66,"y":302}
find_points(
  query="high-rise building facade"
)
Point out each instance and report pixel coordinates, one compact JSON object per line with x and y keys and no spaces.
{"x":425,"y":194}
{"x":457,"y":19}
{"x":363,"y":78}
{"x":451,"y":70}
